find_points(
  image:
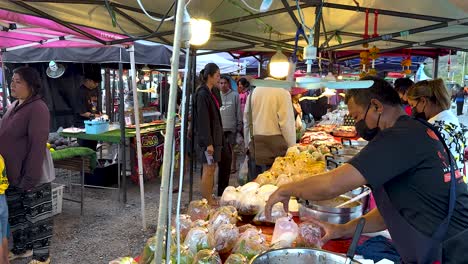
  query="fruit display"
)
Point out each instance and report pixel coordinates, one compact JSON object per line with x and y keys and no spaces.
{"x":56,"y":142}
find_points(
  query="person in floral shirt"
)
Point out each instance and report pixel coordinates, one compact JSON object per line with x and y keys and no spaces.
{"x":3,"y":213}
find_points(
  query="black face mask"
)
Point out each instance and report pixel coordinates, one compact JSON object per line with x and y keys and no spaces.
{"x":416,"y":114}
{"x":364,"y":131}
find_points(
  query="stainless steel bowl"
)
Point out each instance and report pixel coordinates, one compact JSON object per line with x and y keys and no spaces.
{"x":308,"y":209}
{"x":299,"y":256}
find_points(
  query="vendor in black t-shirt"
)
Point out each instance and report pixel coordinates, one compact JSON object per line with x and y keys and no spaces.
{"x":411,"y":187}
{"x":87,"y":104}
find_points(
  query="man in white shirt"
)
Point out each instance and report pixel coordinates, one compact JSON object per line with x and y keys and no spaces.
{"x":272,"y":122}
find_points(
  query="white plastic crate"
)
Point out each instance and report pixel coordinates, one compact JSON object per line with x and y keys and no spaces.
{"x":57,"y":198}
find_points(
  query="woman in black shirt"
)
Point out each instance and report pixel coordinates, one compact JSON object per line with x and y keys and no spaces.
{"x":208,"y":127}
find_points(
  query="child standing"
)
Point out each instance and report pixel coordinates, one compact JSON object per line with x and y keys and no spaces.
{"x":3,"y":213}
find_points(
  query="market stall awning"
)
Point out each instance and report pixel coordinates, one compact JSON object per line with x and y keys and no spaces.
{"x":401,"y":23}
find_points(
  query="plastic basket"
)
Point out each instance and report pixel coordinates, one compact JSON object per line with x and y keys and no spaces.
{"x":96,"y":127}
{"x":57,"y":198}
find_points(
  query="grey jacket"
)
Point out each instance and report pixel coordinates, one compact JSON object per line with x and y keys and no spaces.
{"x":230,"y":112}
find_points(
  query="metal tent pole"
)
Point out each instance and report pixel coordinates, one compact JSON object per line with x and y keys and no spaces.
{"x":136,"y":110}
{"x":123,"y":170}
{"x":193,"y":158}
{"x":169,"y":136}
{"x":4,"y":84}
{"x":436,"y":67}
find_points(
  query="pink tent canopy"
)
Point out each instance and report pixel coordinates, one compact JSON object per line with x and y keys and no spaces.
{"x":19,"y":30}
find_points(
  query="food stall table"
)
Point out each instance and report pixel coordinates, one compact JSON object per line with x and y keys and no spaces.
{"x":78,"y":159}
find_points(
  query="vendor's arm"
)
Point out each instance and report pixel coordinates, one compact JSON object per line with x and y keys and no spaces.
{"x":320,"y":187}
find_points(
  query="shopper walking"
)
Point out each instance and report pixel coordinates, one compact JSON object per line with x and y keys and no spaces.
{"x":459,"y":99}
{"x":23,"y":136}
{"x":208,"y":128}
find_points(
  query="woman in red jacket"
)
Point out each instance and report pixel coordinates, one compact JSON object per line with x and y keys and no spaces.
{"x":23,"y":136}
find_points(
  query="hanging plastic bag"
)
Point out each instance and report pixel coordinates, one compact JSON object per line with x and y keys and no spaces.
{"x":310,"y":235}
{"x":199,"y":210}
{"x":236,"y":259}
{"x":285,"y":232}
{"x":242,"y":177}
{"x":207,"y":256}
{"x":225,"y":237}
{"x":199,"y":238}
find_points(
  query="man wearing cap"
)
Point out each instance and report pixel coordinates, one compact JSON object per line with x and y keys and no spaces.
{"x":87,"y":104}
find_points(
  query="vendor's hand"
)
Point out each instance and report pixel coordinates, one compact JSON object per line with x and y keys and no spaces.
{"x":279,"y":196}
{"x":210,"y":149}
{"x":330,"y":231}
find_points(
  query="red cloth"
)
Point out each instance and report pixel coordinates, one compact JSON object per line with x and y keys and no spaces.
{"x":408,"y":110}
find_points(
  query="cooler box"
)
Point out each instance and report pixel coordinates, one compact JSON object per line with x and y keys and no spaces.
{"x":96,"y":127}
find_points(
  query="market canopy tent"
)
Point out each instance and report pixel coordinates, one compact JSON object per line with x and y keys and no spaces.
{"x":401,"y":23}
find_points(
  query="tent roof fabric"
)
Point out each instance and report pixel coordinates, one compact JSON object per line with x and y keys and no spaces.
{"x":237,"y":28}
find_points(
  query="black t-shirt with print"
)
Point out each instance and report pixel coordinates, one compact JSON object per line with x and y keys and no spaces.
{"x":411,"y":164}
{"x":86,"y":101}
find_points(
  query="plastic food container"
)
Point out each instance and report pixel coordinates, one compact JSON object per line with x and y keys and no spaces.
{"x":96,"y":126}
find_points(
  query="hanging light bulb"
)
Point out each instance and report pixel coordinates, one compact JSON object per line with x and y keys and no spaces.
{"x":279,"y":65}
{"x":201,"y":30}
{"x":146,"y":68}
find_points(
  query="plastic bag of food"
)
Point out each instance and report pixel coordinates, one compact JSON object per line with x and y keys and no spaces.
{"x":207,"y":256}
{"x":200,"y":223}
{"x":224,"y":215}
{"x":265,"y":178}
{"x":185,"y":225}
{"x":266,"y":190}
{"x":285,"y":232}
{"x":236,"y":259}
{"x":186,"y":256}
{"x":199,"y":210}
{"x":252,"y":232}
{"x":283,"y":179}
{"x":225,"y":237}
{"x":231,"y":196}
{"x":246,"y":227}
{"x":310,"y":235}
{"x":199,"y":238}
{"x":276,"y":212}
{"x":249,"y":187}
{"x":291,"y":151}
{"x":148,"y":251}
{"x":251,"y":203}
{"x":250,"y":246}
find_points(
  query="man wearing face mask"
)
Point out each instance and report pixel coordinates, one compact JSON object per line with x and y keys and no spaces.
{"x":421,"y":198}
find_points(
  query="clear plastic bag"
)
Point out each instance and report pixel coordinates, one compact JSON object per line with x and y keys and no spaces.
{"x":246,"y":227}
{"x":252,"y":232}
{"x":249,"y":187}
{"x":310,"y":235}
{"x":225,"y":238}
{"x":283,"y":179}
{"x":199,"y":238}
{"x":185,"y":225}
{"x":242,"y":177}
{"x":207,"y":256}
{"x":250,"y":246}
{"x":223,"y":215}
{"x":147,"y":255}
{"x":200,"y":223}
{"x":199,"y":210}
{"x":266,"y":190}
{"x":236,"y":259}
{"x":186,"y":256}
{"x":265,"y":178}
{"x":276,"y":212}
{"x":231,"y":196}
{"x":285,"y":232}
{"x":251,"y":203}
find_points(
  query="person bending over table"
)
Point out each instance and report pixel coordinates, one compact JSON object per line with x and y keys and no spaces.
{"x":87,"y":104}
{"x":411,"y":187}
